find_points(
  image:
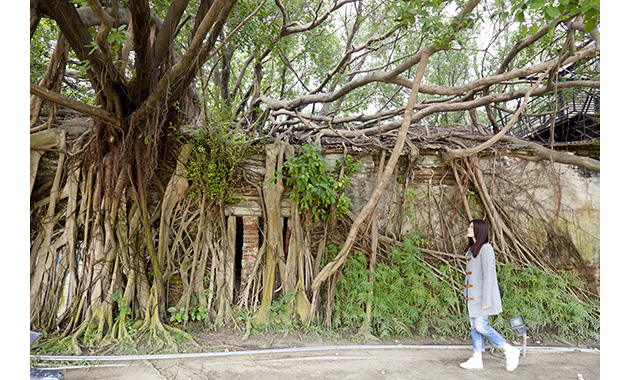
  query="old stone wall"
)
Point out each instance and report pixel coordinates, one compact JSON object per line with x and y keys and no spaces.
{"x":424,"y":198}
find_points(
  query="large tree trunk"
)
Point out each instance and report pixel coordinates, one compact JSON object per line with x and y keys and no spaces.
{"x":299,"y":268}
{"x":113,"y":262}
{"x":272,"y":195}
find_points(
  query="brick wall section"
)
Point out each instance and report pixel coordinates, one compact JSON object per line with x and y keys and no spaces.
{"x":250,"y":247}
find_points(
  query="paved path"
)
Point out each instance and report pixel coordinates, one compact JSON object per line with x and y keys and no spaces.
{"x":348,"y":363}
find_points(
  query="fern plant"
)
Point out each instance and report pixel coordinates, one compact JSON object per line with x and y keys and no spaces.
{"x":411,"y":296}
{"x":546,"y":302}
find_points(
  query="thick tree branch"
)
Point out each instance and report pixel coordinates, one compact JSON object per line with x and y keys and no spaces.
{"x":35,"y":17}
{"x":183,"y":67}
{"x":71,"y":25}
{"x":457,"y":106}
{"x":103,"y":75}
{"x":541,"y":151}
{"x":71,"y":103}
{"x":106,"y":26}
{"x":206,"y":52}
{"x":164,"y":38}
{"x":372,"y":125}
{"x":146,"y":73}
{"x":451,"y":154}
{"x":204,"y":6}
{"x":388,"y":77}
{"x":522,"y":44}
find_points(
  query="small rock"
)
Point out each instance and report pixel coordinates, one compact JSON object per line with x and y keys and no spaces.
{"x":382,"y":372}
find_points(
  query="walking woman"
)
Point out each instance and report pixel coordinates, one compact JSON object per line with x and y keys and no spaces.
{"x":483,"y":298}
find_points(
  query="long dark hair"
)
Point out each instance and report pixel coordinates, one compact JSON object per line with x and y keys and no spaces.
{"x":480,"y":230}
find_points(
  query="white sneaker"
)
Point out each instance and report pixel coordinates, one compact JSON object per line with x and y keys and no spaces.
{"x":472,"y":363}
{"x":511,"y":357}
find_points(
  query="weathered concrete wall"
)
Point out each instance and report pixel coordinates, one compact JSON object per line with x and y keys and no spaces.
{"x":565,"y":194}
{"x":425,"y":199}
{"x":409,"y":202}
{"x":531,"y":191}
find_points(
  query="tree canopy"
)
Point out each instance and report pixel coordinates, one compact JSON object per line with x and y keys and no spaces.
{"x":312,"y":70}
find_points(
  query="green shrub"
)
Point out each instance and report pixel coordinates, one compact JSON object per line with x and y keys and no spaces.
{"x":409,"y":296}
{"x":216,"y":155}
{"x":412,"y":296}
{"x":546,"y":302}
{"x":316,"y":187}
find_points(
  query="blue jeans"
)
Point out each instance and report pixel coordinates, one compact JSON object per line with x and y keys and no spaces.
{"x":479,"y":328}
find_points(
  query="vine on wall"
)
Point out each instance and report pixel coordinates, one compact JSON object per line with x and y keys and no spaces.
{"x":216,"y":157}
{"x":317,"y":188}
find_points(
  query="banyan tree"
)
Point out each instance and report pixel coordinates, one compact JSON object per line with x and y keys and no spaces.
{"x":149,"y":119}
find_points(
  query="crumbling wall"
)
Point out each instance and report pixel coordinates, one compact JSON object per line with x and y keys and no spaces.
{"x":566,"y":195}
{"x":555,"y":205}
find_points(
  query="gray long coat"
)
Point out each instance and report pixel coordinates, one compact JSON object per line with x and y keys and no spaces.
{"x":482,"y":288}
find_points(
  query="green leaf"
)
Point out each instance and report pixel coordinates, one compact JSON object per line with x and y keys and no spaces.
{"x":534,"y":28}
{"x":551,"y":11}
{"x":590,"y":25}
{"x":538,"y":4}
{"x":590,"y":13}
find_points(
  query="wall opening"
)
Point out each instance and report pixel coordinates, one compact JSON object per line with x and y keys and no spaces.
{"x":238,"y":257}
{"x":247,"y":243}
{"x":286,"y":234}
